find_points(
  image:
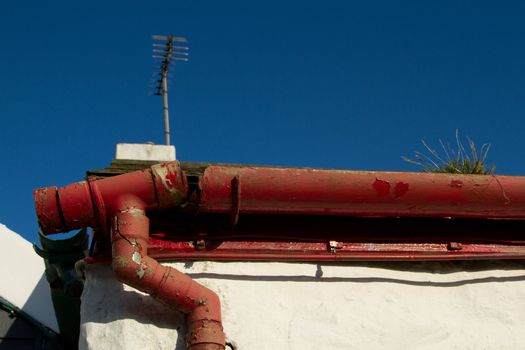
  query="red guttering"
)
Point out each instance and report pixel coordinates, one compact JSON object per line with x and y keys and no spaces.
{"x":260,"y":190}
{"x":119,"y":205}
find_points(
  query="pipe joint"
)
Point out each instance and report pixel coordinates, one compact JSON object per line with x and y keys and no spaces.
{"x":205,"y":334}
{"x":170,"y":184}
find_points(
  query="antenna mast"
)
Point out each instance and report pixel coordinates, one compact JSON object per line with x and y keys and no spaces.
{"x":164,"y":51}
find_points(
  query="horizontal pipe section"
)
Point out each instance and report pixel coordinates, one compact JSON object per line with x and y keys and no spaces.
{"x":89,"y":203}
{"x":261,"y":190}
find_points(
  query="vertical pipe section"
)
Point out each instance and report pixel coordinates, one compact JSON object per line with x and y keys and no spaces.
{"x":132,"y":265}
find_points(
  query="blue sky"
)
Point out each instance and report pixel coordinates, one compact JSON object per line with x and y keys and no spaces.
{"x":340,"y":84}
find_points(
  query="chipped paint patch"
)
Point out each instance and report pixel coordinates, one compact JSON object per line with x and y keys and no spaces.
{"x":400,"y":189}
{"x":132,"y":210}
{"x":137,"y":259}
{"x":165,"y":176}
{"x":170,"y":179}
{"x":456,"y":183}
{"x":382,"y":187}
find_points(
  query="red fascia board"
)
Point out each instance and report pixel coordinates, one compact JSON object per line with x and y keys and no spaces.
{"x":331,"y":251}
{"x":334,"y":251}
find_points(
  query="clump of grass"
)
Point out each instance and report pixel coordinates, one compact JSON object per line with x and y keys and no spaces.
{"x":453,"y":160}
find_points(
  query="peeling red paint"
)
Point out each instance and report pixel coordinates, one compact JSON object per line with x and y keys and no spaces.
{"x":456,"y":183}
{"x":382,"y":187}
{"x":400,"y":189}
{"x":171,"y":179}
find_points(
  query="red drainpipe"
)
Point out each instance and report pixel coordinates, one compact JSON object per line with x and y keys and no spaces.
{"x":120,"y":203}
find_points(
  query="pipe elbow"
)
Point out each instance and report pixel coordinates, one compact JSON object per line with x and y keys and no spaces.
{"x":132,"y":266}
{"x":208,"y":306}
{"x":204,"y":322}
{"x":120,"y":203}
{"x":129,"y":237}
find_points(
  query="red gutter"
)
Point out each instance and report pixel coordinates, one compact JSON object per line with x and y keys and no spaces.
{"x":360,"y":193}
{"x":118,"y":205}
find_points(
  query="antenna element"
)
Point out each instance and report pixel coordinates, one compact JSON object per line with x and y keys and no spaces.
{"x":164,"y":52}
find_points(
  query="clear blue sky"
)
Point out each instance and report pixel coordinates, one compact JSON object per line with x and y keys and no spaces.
{"x":341,"y":84}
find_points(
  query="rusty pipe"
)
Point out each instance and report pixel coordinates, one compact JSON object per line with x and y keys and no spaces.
{"x":120,"y":203}
{"x":263,"y":190}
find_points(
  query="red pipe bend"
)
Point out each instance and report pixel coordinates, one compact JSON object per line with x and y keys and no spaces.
{"x":91,"y":203}
{"x":132,"y":265}
{"x":120,"y":203}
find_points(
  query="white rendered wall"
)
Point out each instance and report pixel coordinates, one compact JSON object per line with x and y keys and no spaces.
{"x":23,"y":282}
{"x":475,"y":305}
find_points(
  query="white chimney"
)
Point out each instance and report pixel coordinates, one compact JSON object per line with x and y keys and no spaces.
{"x":145,"y":151}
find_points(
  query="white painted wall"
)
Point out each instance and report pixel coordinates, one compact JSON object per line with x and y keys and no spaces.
{"x":23,"y":282}
{"x":475,"y":305}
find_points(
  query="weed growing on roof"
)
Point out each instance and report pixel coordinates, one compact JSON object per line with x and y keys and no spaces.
{"x":453,"y":160}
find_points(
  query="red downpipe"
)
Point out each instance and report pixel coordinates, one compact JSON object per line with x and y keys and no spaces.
{"x":120,"y":203}
{"x":134,"y":267}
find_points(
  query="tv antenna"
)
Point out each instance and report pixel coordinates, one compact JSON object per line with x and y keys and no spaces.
{"x":166,"y":50}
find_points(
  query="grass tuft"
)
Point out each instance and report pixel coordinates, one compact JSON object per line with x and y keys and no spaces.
{"x":453,"y":160}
